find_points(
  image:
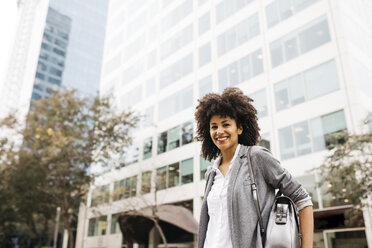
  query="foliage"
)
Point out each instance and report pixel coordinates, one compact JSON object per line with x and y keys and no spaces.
{"x":63,"y":137}
{"x":347,"y":171}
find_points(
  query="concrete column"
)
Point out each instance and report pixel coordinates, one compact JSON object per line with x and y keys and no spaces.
{"x":81,"y":226}
{"x":367,"y":215}
{"x":154,"y":238}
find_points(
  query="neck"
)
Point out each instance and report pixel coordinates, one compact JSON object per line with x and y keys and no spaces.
{"x":227,"y":155}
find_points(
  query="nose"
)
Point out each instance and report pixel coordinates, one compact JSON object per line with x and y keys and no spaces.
{"x":219,"y":130}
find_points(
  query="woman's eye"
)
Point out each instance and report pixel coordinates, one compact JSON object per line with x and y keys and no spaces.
{"x":226,"y":125}
{"x":213,"y":127}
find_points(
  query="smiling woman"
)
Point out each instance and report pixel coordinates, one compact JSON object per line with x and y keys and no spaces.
{"x":227,"y":126}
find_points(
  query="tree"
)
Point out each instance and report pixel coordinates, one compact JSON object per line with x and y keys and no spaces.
{"x":63,"y":137}
{"x":348,"y":169}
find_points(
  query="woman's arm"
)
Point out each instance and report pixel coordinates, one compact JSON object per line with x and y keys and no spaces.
{"x":307,"y":226}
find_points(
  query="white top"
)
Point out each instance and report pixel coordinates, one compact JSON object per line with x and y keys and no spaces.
{"x":218,"y":232}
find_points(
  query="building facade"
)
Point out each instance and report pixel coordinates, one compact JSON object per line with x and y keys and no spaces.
{"x":23,"y":29}
{"x":51,"y":63}
{"x":306,"y":64}
{"x":71,"y":49}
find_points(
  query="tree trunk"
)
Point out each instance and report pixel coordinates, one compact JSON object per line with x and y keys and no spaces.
{"x":71,"y":238}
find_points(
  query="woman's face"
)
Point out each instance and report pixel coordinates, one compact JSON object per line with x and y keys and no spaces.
{"x":224,"y":132}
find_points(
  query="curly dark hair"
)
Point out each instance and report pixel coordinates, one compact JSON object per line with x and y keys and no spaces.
{"x":234,"y":104}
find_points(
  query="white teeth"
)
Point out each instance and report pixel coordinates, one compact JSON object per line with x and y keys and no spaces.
{"x":224,"y":138}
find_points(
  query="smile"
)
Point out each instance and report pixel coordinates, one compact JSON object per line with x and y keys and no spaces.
{"x":221,"y":139}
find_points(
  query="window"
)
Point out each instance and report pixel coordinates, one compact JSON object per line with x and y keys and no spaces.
{"x":172,"y":138}
{"x":204,"y":23}
{"x":100,"y":195}
{"x":240,"y":70}
{"x":59,"y":52}
{"x":115,"y":228}
{"x":176,"y":71}
{"x":57,"y":61}
{"x":43,"y":55}
{"x":187,"y":168}
{"x":41,"y":66}
{"x":179,"y":101}
{"x":205,"y":86}
{"x":310,"y":136}
{"x":125,"y":188}
{"x":35,"y":96}
{"x":312,"y":83}
{"x":54,"y":81}
{"x":131,"y":155}
{"x":161,"y":178}
{"x":150,"y":86}
{"x":187,"y":133}
{"x":46,"y":46}
{"x":146,"y":182}
{"x":173,"y":175}
{"x":162,"y":142}
{"x":204,"y":164}
{"x":147,"y":148}
{"x":47,"y":37}
{"x":177,"y":15}
{"x":321,"y":79}
{"x":280,"y":10}
{"x":132,"y":97}
{"x":300,"y":41}
{"x":40,"y":75}
{"x":55,"y":71}
{"x":60,"y":43}
{"x":204,"y":54}
{"x":133,"y":71}
{"x":151,"y":59}
{"x":237,"y":35}
{"x":259,"y":102}
{"x":228,"y":7}
{"x":176,"y":42}
{"x":149,"y":116}
{"x":97,"y":226}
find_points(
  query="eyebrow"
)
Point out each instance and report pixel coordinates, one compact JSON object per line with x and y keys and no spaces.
{"x":213,"y":123}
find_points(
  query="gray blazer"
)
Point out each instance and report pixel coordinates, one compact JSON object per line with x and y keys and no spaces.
{"x":243,"y":220}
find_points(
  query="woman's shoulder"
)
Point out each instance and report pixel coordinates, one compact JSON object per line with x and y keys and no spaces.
{"x":257,"y":151}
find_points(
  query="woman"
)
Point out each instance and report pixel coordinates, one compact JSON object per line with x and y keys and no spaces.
{"x":227,"y":125}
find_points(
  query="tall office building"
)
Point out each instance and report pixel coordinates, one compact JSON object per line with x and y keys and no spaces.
{"x":22,"y":28}
{"x":72,"y":47}
{"x":51,"y":63}
{"x":306,"y":63}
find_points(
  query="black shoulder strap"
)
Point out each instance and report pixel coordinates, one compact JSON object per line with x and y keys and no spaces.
{"x":254,"y":193}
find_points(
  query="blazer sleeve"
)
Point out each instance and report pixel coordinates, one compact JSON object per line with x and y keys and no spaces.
{"x":277,"y":176}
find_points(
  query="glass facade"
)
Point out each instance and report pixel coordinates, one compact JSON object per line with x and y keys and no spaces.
{"x":175,"y":137}
{"x":305,"y":86}
{"x":97,"y":226}
{"x":241,"y":70}
{"x":292,"y":45}
{"x":100,"y":195}
{"x":310,"y":135}
{"x":280,"y":10}
{"x":51,"y":63}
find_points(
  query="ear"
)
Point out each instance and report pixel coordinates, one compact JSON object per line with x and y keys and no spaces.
{"x":240,"y":130}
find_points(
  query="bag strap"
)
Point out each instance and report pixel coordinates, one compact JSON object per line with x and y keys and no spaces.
{"x":254,"y":193}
